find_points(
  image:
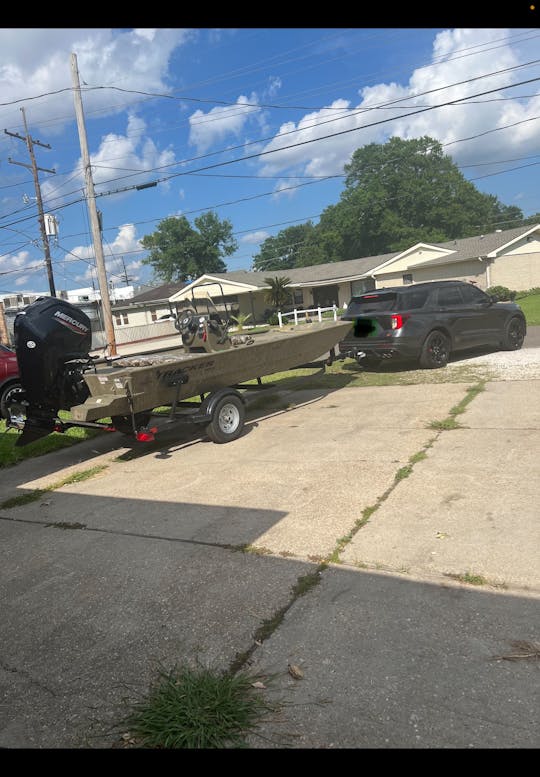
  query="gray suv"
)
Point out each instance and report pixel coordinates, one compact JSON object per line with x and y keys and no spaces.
{"x":426,"y":322}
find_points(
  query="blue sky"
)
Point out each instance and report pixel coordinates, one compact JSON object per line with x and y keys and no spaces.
{"x":253,"y":123}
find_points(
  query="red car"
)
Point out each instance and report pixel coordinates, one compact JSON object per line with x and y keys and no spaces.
{"x":9,"y":378}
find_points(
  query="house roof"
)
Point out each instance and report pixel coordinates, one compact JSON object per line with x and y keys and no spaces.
{"x":475,"y":247}
{"x":331,"y":272}
{"x":158,"y":293}
{"x":351,"y":269}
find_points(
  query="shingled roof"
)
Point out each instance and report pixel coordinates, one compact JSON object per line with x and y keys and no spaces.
{"x":158,"y":293}
{"x":351,"y":269}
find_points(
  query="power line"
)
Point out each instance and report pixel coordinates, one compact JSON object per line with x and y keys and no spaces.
{"x":352,"y":113}
{"x":30,"y":143}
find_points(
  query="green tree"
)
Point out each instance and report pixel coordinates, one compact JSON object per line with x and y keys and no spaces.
{"x":282,"y":251}
{"x":278,"y":294}
{"x":405,"y":191}
{"x":396,"y":194}
{"x":180,"y":252}
{"x":530,"y":220}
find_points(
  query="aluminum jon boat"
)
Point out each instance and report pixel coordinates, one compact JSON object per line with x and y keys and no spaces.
{"x":53,"y":339}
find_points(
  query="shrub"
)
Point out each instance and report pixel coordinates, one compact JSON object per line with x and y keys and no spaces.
{"x":502,"y":293}
{"x":529,"y":293}
{"x":273,"y":319}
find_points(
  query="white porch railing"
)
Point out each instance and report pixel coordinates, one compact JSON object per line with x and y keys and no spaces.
{"x":303,"y":315}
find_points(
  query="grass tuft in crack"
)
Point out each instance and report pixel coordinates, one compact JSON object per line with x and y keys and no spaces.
{"x":198,"y":709}
{"x":450,"y":422}
{"x":37,"y":493}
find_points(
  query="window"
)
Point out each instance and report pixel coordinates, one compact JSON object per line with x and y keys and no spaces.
{"x":472,"y":295}
{"x":121,"y":318}
{"x":370,"y":303}
{"x":407,"y":278}
{"x":153,"y":314}
{"x":360,"y":287}
{"x":450,"y":297}
{"x":413,"y":300}
{"x":298,"y":297}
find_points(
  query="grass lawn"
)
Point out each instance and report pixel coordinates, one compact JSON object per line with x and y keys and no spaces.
{"x":10,"y":454}
{"x":531,"y":307}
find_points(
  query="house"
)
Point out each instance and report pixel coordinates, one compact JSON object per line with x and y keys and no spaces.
{"x":143,"y":317}
{"x":508,"y":258}
{"x":148,"y":307}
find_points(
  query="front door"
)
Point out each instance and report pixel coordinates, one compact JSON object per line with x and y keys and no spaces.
{"x":325,"y":296}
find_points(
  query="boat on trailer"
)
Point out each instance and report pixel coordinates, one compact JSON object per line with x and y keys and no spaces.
{"x":53,"y":339}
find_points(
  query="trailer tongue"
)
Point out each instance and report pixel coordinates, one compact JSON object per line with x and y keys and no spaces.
{"x":53,"y":340}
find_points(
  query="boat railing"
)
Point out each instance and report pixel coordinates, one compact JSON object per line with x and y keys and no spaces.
{"x":302,"y":316}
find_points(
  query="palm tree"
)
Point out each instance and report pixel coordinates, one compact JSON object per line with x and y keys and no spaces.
{"x":277,"y":294}
{"x":240,"y":320}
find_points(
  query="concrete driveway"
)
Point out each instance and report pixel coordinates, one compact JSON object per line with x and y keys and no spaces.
{"x":186,"y":551}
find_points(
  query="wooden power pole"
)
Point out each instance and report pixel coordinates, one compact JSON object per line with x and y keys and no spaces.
{"x":30,"y":143}
{"x":92,"y":210}
{"x":4,"y":337}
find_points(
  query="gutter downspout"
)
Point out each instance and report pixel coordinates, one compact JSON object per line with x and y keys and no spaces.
{"x":488,"y":274}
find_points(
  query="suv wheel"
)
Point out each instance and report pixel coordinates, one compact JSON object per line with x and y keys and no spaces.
{"x":435,"y":351}
{"x":514,"y":334}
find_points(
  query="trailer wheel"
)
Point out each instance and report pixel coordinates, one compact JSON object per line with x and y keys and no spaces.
{"x":227,"y":420}
{"x":123,"y":424}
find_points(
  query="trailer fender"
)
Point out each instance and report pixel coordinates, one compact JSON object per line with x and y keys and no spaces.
{"x":208,"y":407}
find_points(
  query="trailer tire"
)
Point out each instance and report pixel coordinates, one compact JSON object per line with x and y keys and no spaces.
{"x":227,"y":419}
{"x":123,"y":424}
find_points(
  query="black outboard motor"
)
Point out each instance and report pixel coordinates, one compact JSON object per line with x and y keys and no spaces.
{"x":52,"y":340}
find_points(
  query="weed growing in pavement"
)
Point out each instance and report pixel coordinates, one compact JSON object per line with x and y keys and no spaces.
{"x":450,"y":422}
{"x":468,"y":577}
{"x":37,"y":493}
{"x":470,"y":394}
{"x":198,"y":709}
{"x":403,"y":472}
{"x":445,"y":425}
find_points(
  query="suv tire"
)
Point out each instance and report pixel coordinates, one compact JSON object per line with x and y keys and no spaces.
{"x":435,"y":351}
{"x":514,"y":334}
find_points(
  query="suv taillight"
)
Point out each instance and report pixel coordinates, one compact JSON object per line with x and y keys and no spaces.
{"x":398,"y":320}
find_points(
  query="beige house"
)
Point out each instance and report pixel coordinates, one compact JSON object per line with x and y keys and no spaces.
{"x":508,"y":258}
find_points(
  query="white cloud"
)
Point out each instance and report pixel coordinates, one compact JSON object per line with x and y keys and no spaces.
{"x":274,"y":85}
{"x":117,"y":156}
{"x":283,"y":190}
{"x":12,"y":265}
{"x":458,"y":55}
{"x":125,"y":241}
{"x":221,"y":121}
{"x":38,"y":61}
{"x":13,"y":262}
{"x":255,"y":237}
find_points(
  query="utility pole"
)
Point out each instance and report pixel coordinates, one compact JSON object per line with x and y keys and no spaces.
{"x":92,"y":210}
{"x":127,"y":278}
{"x":4,"y":337}
{"x":30,"y":143}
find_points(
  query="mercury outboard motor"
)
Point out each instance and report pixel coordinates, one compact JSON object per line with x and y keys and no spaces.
{"x":52,"y":340}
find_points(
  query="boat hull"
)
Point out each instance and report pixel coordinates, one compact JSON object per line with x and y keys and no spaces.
{"x":121,"y":389}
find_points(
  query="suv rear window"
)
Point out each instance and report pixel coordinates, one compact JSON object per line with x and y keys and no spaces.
{"x":371,"y":303}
